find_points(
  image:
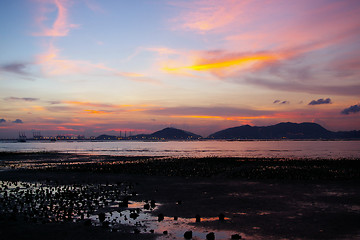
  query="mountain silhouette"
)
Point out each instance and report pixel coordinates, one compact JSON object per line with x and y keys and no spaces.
{"x":173,"y":133}
{"x":279,"y":131}
{"x":285,"y":130}
{"x":106,"y":137}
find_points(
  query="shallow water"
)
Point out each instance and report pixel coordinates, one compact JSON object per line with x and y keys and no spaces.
{"x":15,"y":195}
{"x":288,"y":149}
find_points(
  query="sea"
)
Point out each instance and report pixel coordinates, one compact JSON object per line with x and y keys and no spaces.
{"x":209,"y":148}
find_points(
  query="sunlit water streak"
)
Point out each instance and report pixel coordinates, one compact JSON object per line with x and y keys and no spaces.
{"x":288,"y":149}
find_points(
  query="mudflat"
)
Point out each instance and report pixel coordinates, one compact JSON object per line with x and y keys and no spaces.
{"x":255,"y":198}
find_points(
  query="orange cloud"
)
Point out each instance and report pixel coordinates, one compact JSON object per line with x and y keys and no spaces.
{"x":61,"y":26}
{"x":38,"y":108}
{"x":234,"y":118}
{"x":98,"y":112}
{"x":225,"y":63}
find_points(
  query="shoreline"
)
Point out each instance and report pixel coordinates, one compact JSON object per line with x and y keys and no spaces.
{"x":257,"y":208}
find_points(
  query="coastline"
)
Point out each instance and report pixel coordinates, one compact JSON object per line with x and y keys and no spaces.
{"x":259,"y":204}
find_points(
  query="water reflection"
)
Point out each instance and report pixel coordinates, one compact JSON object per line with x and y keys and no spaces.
{"x":288,"y":149}
{"x":99,"y":205}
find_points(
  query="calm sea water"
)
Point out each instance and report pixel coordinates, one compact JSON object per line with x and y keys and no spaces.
{"x":289,"y":149}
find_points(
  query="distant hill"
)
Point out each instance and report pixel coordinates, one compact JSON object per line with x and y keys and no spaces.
{"x":282,"y":131}
{"x":173,"y":133}
{"x":106,"y":137}
{"x":286,"y":130}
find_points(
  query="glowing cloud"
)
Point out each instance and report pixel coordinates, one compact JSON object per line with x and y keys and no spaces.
{"x":226,"y":63}
{"x":208,"y":15}
{"x":98,"y":112}
{"x":60,"y":26}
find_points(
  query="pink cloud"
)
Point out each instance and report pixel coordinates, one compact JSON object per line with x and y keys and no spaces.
{"x":61,"y":25}
{"x":53,"y":64}
{"x":204,"y":15}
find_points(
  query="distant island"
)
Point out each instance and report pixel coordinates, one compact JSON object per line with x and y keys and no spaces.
{"x":278,"y":131}
{"x":286,"y":130}
{"x":164,"y":134}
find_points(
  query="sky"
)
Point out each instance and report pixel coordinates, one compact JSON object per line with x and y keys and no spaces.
{"x":88,"y":67}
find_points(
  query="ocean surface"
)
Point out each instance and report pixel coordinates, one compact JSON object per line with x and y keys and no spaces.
{"x":253,"y":149}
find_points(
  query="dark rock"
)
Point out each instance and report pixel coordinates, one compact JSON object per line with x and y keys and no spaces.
{"x":102,"y":217}
{"x":152,"y":203}
{"x":235,"y":236}
{"x":160,"y":217}
{"x":188,"y":235}
{"x":221,"y":217}
{"x":134,"y":215}
{"x":165,"y":232}
{"x":210,"y":236}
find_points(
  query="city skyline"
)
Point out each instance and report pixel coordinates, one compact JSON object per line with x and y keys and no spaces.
{"x":90,"y":67}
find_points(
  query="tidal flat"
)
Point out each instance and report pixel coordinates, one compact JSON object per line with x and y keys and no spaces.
{"x":117,"y":197}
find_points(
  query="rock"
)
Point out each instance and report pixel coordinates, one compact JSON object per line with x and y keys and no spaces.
{"x":134,"y":215}
{"x":102,"y":217}
{"x":165,"y":232}
{"x":175,"y":218}
{"x":221,"y":217}
{"x":160,"y":217}
{"x":235,"y":236}
{"x":152,"y":203}
{"x":188,"y":235}
{"x":210,"y":236}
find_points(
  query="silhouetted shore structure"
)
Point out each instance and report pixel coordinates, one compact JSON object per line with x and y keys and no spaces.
{"x":145,"y":197}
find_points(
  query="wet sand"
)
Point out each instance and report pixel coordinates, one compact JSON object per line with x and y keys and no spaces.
{"x":260,"y":198}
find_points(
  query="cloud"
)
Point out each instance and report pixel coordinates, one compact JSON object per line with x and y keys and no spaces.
{"x":351,"y":109}
{"x":208,"y":111}
{"x":222,"y":64}
{"x":26,"y":99}
{"x":2,"y":120}
{"x":61,"y":25}
{"x":320,"y":101}
{"x":18,"y":68}
{"x":280,"y":102}
{"x":17,"y":121}
{"x":289,"y":86}
{"x":304,"y":48}
{"x":207,"y":15}
{"x":53,"y":64}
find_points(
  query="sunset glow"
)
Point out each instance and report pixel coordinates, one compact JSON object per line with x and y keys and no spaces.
{"x":90,"y":67}
{"x":225,"y":64}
